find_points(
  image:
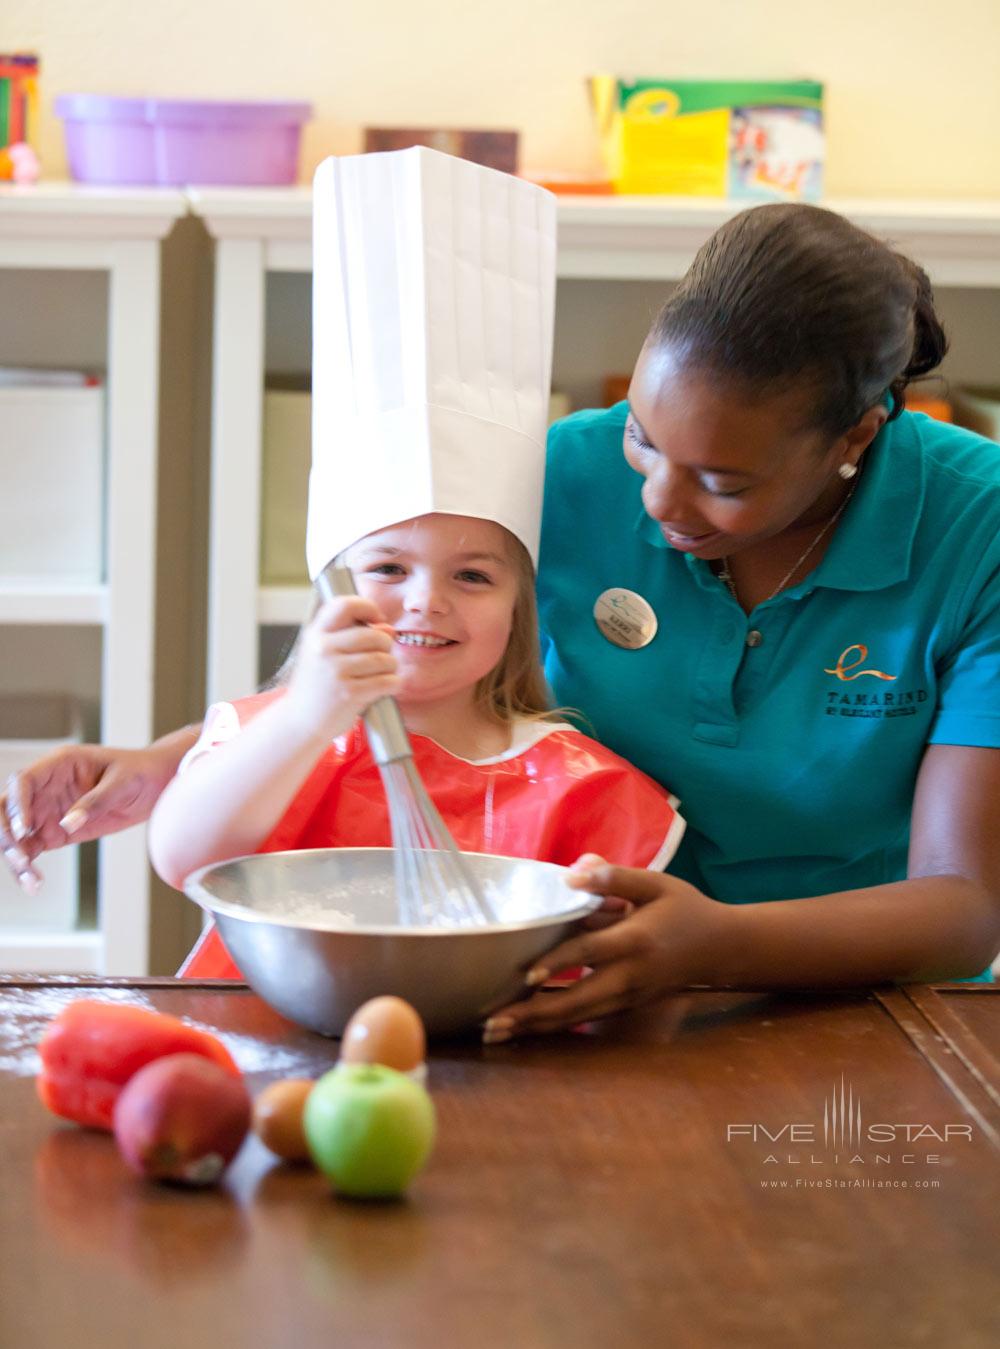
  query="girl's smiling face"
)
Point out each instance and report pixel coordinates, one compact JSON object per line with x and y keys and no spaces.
{"x":447,"y":585}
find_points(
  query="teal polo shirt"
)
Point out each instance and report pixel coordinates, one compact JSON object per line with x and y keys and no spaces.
{"x":794,"y":753}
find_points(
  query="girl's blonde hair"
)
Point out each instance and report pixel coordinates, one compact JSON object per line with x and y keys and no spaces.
{"x":515,"y":689}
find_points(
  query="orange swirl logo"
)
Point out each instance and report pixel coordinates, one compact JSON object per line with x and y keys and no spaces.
{"x":843,"y":665}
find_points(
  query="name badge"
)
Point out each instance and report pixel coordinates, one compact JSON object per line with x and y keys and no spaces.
{"x":625,"y":618}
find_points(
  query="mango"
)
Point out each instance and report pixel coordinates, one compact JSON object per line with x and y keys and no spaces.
{"x":182,"y":1119}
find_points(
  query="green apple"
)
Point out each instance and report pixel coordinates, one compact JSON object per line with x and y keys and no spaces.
{"x":369,"y":1129}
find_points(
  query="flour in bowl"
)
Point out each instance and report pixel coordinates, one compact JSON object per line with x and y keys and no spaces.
{"x":313,"y":911}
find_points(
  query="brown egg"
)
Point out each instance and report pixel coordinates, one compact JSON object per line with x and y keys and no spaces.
{"x":277,"y":1118}
{"x":385,"y":1030}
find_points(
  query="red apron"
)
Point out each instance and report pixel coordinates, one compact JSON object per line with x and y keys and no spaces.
{"x":560,"y":796}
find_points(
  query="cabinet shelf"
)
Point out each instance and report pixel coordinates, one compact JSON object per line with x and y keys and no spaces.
{"x":29,"y":605}
{"x":68,"y":227}
{"x":75,"y":952}
{"x":640,"y":238}
{"x":284,"y":606}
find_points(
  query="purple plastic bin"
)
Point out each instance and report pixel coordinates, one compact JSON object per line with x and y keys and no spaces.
{"x":178,"y":142}
{"x":108,"y":140}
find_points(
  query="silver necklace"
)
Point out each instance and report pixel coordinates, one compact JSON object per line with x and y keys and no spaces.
{"x":726,"y":576}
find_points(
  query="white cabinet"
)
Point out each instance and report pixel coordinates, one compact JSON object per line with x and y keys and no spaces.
{"x":58,"y":241}
{"x":616,"y":258}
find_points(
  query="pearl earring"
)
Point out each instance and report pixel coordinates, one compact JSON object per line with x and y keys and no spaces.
{"x":847,"y":471}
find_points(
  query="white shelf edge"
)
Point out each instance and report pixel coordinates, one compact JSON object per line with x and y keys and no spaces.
{"x":80,"y":212}
{"x":642,"y":238}
{"x":279,"y":606}
{"x":36,"y":605}
{"x":288,"y":255}
{"x":294,"y":204}
{"x":38,"y":952}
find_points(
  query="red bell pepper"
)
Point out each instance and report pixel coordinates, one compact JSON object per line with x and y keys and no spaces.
{"x":91,"y":1049}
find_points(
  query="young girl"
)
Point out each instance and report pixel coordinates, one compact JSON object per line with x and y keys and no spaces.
{"x":444,"y":622}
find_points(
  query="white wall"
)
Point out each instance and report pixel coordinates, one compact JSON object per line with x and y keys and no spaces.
{"x":913,"y":86}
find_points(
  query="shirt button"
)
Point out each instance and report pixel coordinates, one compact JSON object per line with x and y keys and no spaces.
{"x":754,"y":638}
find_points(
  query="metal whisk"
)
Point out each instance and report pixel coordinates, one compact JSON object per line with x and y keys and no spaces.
{"x":434,"y":887}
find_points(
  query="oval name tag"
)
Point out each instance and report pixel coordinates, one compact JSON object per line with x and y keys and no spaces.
{"x":625,"y":618}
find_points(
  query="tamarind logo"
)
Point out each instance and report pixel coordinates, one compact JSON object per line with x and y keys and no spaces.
{"x":878,"y":702}
{"x":840,"y":670}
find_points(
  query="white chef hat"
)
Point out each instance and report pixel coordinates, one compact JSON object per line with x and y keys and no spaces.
{"x":433,"y":300}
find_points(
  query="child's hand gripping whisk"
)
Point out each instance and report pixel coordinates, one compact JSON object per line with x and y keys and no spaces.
{"x":434,"y":887}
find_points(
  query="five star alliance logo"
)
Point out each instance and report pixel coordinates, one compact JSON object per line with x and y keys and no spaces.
{"x":842,"y":1118}
{"x":846,"y":1139}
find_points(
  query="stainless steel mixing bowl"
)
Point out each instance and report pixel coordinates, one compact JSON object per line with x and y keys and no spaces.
{"x":316,"y":934}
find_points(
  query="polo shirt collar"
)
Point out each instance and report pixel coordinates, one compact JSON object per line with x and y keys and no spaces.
{"x":872,"y":545}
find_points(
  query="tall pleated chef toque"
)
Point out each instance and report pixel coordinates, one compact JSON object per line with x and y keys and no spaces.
{"x":433,"y":299}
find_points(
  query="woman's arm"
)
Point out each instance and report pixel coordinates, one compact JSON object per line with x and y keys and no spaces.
{"x":942,"y":922}
{"x":82,"y":792}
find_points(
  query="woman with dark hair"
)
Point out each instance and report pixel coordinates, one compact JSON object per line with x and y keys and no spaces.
{"x":785,"y":598}
{"x":823,"y":572}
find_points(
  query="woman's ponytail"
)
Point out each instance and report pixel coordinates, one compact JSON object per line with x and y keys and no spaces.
{"x":929,"y":339}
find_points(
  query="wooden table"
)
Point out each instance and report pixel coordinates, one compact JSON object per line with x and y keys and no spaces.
{"x":706,"y":1173}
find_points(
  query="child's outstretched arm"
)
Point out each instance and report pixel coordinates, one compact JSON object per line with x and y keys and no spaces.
{"x":228,"y":801}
